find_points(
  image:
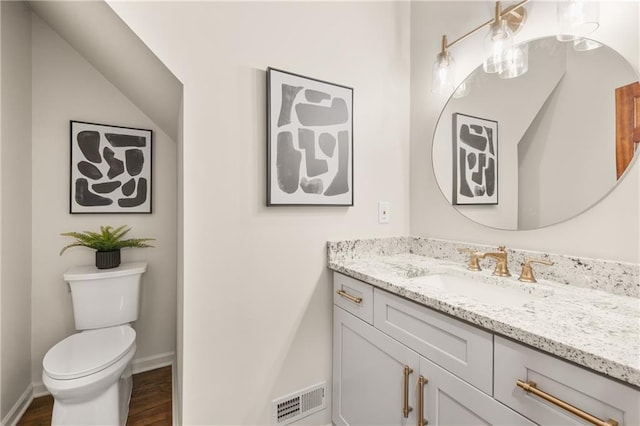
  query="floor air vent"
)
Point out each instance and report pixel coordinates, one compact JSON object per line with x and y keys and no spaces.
{"x":297,"y":405}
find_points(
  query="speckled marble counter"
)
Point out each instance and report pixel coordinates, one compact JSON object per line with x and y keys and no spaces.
{"x":591,"y":327}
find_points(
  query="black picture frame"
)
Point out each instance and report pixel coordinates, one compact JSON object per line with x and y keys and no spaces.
{"x":309,"y":141}
{"x":475,"y":160}
{"x":110,"y":169}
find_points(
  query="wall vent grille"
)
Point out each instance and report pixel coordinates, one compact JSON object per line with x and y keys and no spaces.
{"x":297,"y":405}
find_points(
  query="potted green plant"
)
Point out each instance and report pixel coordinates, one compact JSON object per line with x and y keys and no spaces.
{"x":107,"y":244}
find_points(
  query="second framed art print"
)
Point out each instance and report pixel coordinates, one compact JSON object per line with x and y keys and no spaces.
{"x":310,"y":141}
{"x":110,"y":169}
{"x":475,"y":160}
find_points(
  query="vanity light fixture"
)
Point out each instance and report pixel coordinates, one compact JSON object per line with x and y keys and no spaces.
{"x":577,"y":18}
{"x":462,"y":90}
{"x":584,"y":44}
{"x":499,"y":52}
{"x":443,"y":70}
{"x":498,"y":44}
{"x":516,"y":62}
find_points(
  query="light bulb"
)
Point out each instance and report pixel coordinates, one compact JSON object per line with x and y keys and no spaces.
{"x":462,"y":90}
{"x":584,"y":44}
{"x":443,"y":73}
{"x":497,"y":43}
{"x":577,"y":18}
{"x":516,"y":62}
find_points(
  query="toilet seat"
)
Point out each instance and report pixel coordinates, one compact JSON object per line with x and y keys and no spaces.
{"x":88,"y":352}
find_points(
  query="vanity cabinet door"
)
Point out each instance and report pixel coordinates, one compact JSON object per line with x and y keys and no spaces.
{"x":449,"y":400}
{"x":462,"y":349}
{"x":368,"y":375}
{"x":589,"y":392}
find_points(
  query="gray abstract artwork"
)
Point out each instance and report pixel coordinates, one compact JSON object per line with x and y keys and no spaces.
{"x":110,"y":169}
{"x":475,"y":160}
{"x":310,"y":141}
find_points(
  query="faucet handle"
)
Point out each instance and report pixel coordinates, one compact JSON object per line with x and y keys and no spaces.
{"x":474,"y":265}
{"x":527,"y":271}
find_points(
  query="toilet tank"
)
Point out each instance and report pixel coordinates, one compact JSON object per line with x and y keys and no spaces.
{"x":105,"y":297}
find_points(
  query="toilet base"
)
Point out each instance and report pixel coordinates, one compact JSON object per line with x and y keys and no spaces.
{"x":110,"y":408}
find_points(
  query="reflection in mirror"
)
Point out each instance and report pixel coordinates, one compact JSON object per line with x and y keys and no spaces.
{"x":556,"y":132}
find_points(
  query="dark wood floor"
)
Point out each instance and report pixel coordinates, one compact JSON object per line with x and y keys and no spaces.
{"x":150,"y":402}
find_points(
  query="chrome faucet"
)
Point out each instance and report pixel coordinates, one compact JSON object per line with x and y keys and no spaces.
{"x":501,"y":262}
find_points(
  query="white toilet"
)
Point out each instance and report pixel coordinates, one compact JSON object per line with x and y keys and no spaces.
{"x":89,"y":373}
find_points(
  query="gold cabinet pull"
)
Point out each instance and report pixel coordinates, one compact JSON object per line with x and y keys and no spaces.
{"x":405,"y":404}
{"x":348,"y":296}
{"x":421,"y":382}
{"x":531,"y":387}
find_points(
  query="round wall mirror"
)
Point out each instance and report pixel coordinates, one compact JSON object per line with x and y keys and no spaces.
{"x":532,"y":151}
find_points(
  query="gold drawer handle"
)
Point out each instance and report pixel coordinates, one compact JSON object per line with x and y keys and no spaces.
{"x":348,"y":296}
{"x":531,"y":387}
{"x":405,"y":406}
{"x":421,"y":382}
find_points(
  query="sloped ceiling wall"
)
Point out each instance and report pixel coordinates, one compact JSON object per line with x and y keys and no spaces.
{"x":106,"y":42}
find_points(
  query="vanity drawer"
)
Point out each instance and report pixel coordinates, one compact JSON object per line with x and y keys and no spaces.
{"x":353,"y":296}
{"x":463,"y":350}
{"x":591,"y":393}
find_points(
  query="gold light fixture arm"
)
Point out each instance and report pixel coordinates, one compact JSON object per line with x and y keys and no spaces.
{"x":500,"y":14}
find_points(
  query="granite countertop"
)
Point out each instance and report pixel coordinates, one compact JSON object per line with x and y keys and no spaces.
{"x":593,"y":328}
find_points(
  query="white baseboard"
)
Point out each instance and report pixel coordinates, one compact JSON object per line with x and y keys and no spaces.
{"x":39,"y":390}
{"x":18,"y":409}
{"x":139,"y":365}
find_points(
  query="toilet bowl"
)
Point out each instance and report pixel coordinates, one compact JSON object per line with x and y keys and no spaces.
{"x":89,"y":376}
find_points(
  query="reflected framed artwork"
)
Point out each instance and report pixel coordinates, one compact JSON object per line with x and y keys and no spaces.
{"x":110,"y":169}
{"x":475,"y":160}
{"x":309,"y":141}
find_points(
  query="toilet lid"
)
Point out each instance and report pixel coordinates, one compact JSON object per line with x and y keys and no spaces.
{"x":88,"y":352}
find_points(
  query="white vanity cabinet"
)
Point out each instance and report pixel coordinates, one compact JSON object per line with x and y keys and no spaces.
{"x":376,"y":377}
{"x":580,"y":389}
{"x":462,"y":349}
{"x":369,"y":375}
{"x":450,"y":401}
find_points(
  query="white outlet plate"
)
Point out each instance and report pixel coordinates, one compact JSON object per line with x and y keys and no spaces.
{"x":384,"y":213}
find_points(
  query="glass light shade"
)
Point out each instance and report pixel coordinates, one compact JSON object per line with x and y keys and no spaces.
{"x":497,"y":42}
{"x":517,"y":62}
{"x":584,"y":44}
{"x":462,"y":90}
{"x":443,"y":73}
{"x":577,"y":18}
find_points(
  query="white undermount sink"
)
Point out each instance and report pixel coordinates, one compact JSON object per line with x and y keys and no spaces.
{"x":500,"y":291}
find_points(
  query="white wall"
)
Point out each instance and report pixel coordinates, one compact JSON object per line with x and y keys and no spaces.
{"x":110,"y":46}
{"x":609,"y":230}
{"x":257,"y":293}
{"x":66,"y":87}
{"x":15,"y":186}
